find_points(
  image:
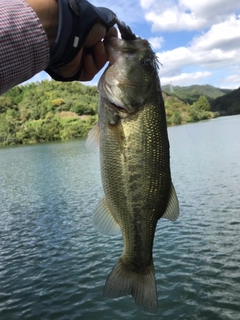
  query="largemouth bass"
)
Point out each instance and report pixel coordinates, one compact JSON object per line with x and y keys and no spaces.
{"x":135,"y":168}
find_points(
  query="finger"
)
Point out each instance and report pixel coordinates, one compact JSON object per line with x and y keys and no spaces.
{"x":93,"y":62}
{"x":112,"y":32}
{"x":100,"y":54}
{"x":97,"y":33}
{"x":70,"y":69}
{"x":89,"y":68}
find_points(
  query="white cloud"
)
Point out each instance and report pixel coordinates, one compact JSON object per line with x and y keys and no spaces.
{"x":146,"y":3}
{"x":214,"y":9}
{"x":225,"y":35}
{"x":235,"y":78}
{"x":173,"y":61}
{"x":186,"y":78}
{"x":187,"y":14}
{"x":156,"y":42}
{"x":173,"y":19}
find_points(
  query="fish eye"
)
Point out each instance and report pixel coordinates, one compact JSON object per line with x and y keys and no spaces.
{"x":147,"y":63}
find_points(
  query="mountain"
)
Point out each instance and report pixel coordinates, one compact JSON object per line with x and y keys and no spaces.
{"x":192,"y":93}
{"x":228,"y":104}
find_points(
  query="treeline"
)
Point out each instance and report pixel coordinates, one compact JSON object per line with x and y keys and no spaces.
{"x":50,"y":110}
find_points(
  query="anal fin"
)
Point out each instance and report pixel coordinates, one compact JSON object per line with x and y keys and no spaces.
{"x":93,"y":138}
{"x":103,"y":219}
{"x":172,"y":210}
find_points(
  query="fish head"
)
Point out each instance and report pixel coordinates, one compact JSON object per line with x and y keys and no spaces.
{"x":130,"y":78}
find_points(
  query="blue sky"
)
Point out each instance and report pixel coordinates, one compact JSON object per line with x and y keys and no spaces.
{"x":197,"y":42}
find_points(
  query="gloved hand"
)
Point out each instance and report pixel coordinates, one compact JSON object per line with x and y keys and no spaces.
{"x":77,"y":20}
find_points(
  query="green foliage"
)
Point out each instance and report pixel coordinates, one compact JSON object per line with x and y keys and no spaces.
{"x":228,"y":104}
{"x":235,"y":108}
{"x":200,"y":110}
{"x":38,"y":112}
{"x":6,"y":103}
{"x":57,"y":102}
{"x":176,"y":117}
{"x":202,"y":104}
{"x":178,"y":111}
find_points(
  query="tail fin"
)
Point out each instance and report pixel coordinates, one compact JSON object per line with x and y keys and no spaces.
{"x":123,"y":281}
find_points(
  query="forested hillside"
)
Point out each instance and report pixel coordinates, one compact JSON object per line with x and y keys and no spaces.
{"x":51,"y":110}
{"x":192,"y":93}
{"x":47,"y":111}
{"x":228,"y":104}
{"x":178,"y":111}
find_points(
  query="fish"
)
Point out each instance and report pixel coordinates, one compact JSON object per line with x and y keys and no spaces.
{"x":135,"y":166}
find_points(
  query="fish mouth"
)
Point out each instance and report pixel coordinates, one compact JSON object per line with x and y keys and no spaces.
{"x":112,"y":101}
{"x":117,"y":108}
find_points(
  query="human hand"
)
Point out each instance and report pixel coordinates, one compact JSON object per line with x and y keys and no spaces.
{"x":92,"y":56}
{"x":77,"y":51}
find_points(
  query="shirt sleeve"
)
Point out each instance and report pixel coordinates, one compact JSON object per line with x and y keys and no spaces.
{"x":24,"y":48}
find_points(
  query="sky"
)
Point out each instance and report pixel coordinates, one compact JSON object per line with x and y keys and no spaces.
{"x":197,"y":42}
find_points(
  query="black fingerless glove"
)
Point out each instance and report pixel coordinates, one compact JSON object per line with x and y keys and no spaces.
{"x":76,"y":19}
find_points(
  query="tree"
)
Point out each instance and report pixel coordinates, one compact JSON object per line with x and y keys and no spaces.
{"x":202,"y":104}
{"x":176,"y":118}
{"x":5,"y":104}
{"x":235,"y":108}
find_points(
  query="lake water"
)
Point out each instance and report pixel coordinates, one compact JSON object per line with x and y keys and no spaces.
{"x":53,"y":264}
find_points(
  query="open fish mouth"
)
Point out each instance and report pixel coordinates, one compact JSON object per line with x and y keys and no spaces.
{"x":118,"y":108}
{"x":113,"y":101}
{"x":118,"y":102}
{"x":121,"y":110}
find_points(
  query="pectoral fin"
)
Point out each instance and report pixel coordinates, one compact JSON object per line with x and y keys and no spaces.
{"x":104,"y":221}
{"x":172,"y":211}
{"x":93,"y":138}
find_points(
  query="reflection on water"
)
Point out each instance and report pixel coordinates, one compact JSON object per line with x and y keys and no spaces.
{"x":53,"y":264}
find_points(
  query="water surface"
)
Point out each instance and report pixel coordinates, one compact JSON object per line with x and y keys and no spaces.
{"x":53,"y":264}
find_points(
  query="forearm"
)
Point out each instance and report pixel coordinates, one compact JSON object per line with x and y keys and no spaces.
{"x":47,"y":11}
{"x":24,"y":44}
